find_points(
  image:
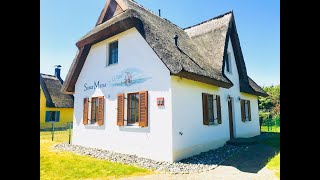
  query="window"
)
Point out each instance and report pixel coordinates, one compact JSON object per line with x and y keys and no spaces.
{"x":245,"y":110}
{"x":113,"y":53}
{"x":97,"y":111}
{"x":133,"y":108}
{"x":52,"y":116}
{"x":211,"y":107}
{"x":94,"y":110}
{"x":228,"y":62}
{"x":137,"y":109}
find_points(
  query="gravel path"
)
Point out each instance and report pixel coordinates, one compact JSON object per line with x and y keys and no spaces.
{"x":205,"y":161}
{"x":248,"y":164}
{"x":220,"y":173}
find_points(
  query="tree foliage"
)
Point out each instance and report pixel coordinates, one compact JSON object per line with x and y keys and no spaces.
{"x":272,"y":102}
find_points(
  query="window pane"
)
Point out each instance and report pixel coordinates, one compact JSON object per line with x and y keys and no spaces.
{"x":228,"y":61}
{"x":113,"y":52}
{"x":246,"y":109}
{"x":210,"y":115}
{"x":133,"y":115}
{"x":52,"y":116}
{"x":215,"y":108}
{"x":209,"y":101}
{"x":94,"y":109}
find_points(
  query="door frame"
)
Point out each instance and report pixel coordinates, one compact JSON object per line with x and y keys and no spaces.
{"x":231,"y":117}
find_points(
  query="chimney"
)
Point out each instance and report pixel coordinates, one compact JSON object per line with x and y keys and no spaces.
{"x":57,"y":70}
{"x":159,"y":12}
{"x":176,"y":40}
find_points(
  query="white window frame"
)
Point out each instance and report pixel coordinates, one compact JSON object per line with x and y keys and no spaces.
{"x":108,"y":53}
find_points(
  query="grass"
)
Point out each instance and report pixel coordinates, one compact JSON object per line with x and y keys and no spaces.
{"x":274,"y":141}
{"x":274,"y":129}
{"x":274,"y":165}
{"x":66,"y":165}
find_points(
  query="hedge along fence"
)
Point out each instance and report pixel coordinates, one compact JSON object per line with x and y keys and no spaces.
{"x":267,"y":118}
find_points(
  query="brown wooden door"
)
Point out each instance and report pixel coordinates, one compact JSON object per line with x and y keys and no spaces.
{"x":230,"y":119}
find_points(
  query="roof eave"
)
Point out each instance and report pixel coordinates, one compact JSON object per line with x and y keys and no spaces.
{"x":85,"y":44}
{"x":253,"y":92}
{"x":203,"y":79}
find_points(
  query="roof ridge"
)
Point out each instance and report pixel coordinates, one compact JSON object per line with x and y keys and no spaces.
{"x":148,"y":10}
{"x":214,"y":18}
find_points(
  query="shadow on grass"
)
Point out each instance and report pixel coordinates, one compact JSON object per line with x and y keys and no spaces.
{"x":257,"y":155}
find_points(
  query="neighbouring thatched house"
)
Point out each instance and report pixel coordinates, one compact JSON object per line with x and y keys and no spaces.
{"x":54,"y":105}
{"x":144,"y":86}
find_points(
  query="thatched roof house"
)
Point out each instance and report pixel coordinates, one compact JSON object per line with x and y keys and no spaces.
{"x":200,"y":50}
{"x":147,"y":87}
{"x":51,"y":87}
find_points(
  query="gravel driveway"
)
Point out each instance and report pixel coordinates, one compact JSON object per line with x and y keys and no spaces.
{"x":246,"y":165}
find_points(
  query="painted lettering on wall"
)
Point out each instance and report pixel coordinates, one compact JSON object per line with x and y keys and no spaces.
{"x":95,"y":85}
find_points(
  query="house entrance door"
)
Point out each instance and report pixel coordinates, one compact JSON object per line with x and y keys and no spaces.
{"x":230,"y":108}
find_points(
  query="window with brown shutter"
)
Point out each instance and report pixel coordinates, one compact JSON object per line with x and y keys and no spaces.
{"x":143,"y":108}
{"x":120,"y":109}
{"x":243,"y":113}
{"x":219,"y":109}
{"x":245,"y":110}
{"x":85,"y":110}
{"x":205,"y":109}
{"x":100,"y":118}
{"x":211,"y":109}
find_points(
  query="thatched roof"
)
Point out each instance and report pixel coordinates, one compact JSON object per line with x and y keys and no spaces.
{"x":51,"y":87}
{"x":199,"y":54}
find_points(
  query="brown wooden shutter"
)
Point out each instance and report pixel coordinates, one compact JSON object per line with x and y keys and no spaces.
{"x":243,"y":112}
{"x":205,"y":109}
{"x":143,"y":108}
{"x":120,"y":109}
{"x":219,"y":109}
{"x":100,"y":120}
{"x":249,"y":111}
{"x":85,"y":110}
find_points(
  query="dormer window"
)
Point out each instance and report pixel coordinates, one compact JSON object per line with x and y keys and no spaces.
{"x":228,"y":63}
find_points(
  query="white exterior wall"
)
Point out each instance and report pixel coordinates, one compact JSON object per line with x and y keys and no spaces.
{"x":155,"y":141}
{"x":248,"y":128}
{"x":188,"y":118}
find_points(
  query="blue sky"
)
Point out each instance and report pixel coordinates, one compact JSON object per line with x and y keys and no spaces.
{"x":63,"y":22}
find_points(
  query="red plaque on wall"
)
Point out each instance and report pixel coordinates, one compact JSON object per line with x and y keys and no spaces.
{"x":160,"y":101}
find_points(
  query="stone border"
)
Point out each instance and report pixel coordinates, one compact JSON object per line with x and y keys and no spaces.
{"x":204,"y":161}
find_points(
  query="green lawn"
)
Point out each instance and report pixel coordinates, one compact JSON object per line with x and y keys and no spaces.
{"x":65,"y":165}
{"x":274,"y":165}
{"x":274,"y":162}
{"x":271,"y":129}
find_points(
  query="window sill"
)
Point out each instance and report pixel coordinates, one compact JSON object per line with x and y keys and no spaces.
{"x":93,"y":125}
{"x":132,"y":126}
{"x":111,"y":64}
{"x":213,"y":124}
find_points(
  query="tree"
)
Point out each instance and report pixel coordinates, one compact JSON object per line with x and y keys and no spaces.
{"x":272,"y":102}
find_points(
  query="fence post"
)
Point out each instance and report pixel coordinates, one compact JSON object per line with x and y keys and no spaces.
{"x":52,"y":130}
{"x":70,"y":133}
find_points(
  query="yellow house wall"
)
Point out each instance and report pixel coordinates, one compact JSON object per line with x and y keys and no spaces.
{"x":66,"y":114}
